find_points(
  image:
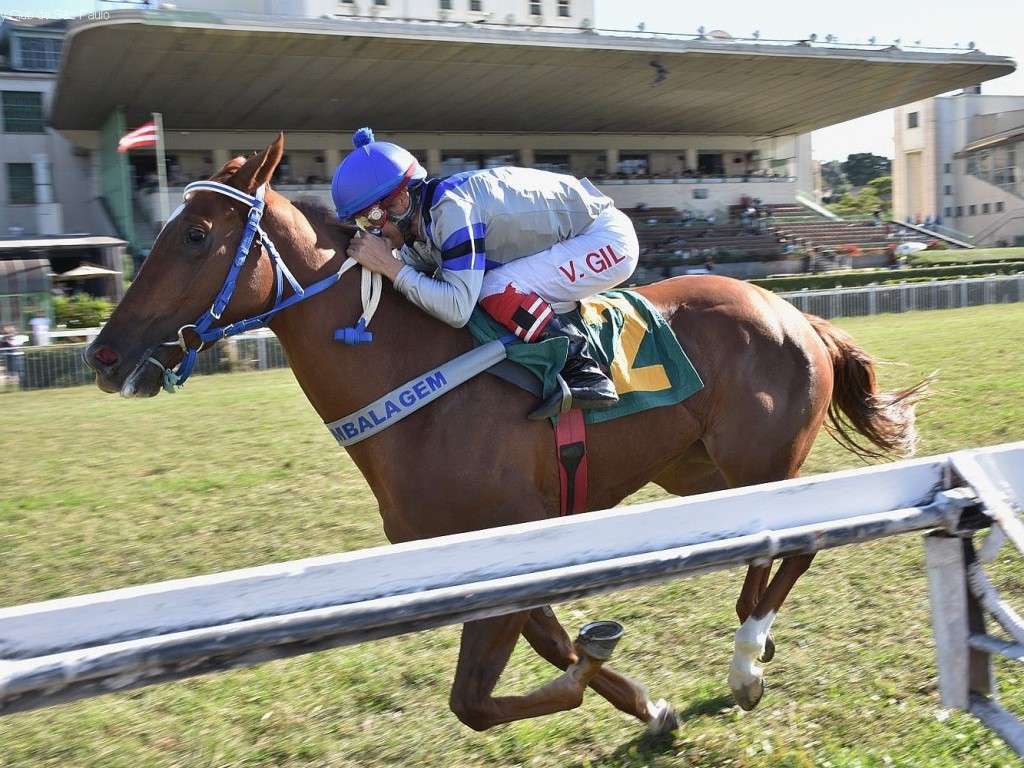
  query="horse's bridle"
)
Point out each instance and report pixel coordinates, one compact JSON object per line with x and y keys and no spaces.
{"x":203,"y":330}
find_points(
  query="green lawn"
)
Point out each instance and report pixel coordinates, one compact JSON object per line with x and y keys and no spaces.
{"x":938,"y":258}
{"x":236,"y":470}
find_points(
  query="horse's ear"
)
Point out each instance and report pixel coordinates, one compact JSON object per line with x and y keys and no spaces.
{"x":260,"y":167}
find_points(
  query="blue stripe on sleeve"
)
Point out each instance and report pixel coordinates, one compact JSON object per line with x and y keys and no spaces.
{"x":465,"y":248}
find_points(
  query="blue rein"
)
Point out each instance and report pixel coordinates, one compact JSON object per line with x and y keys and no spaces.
{"x":203,"y":329}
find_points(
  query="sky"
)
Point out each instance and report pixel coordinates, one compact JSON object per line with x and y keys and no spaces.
{"x":994,"y":28}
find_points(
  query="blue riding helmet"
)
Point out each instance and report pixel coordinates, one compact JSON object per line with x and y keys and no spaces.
{"x":373,"y":172}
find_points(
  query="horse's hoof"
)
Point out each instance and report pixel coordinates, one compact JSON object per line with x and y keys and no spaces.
{"x":664,"y":722}
{"x":769,"y":650}
{"x":749,"y":695}
{"x":599,"y":638}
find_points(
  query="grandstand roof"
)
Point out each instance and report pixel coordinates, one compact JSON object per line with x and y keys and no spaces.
{"x":204,"y":71}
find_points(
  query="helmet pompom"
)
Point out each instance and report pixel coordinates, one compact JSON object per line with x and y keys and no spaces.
{"x":362,"y":137}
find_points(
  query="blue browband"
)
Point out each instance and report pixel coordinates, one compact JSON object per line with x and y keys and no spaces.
{"x":203,"y":332}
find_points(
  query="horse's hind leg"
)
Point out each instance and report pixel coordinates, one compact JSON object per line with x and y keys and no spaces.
{"x":549,"y":639}
{"x":486,"y":647}
{"x":754,"y":586}
{"x":761,"y":596}
{"x":753,"y":641}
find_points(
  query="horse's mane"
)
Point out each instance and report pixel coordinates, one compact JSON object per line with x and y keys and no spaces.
{"x":322,"y":218}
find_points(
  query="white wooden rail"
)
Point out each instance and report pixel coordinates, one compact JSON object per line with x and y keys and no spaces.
{"x":65,"y":649}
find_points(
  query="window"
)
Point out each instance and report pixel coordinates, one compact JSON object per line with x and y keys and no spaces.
{"x":382,"y":3}
{"x":912,"y":119}
{"x":999,"y":207}
{"x":632,"y":165}
{"x":563,"y":9}
{"x":711,"y":163}
{"x":948,"y":189}
{"x":700,"y":193}
{"x":986,"y":208}
{"x":535,"y":9}
{"x":457,"y":162}
{"x":446,"y":5}
{"x":23,"y":111}
{"x":36,"y":54}
{"x":959,"y":211}
{"x":551,"y":161}
{"x":476,"y":5}
{"x":972,"y":210}
{"x":997,"y":166}
{"x":21,"y":187}
{"x":947,"y":212}
{"x":947,"y":168}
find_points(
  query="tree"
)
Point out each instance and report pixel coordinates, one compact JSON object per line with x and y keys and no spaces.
{"x":864,"y":167}
{"x":882,"y":187}
{"x":833,"y":181}
{"x":864,"y":202}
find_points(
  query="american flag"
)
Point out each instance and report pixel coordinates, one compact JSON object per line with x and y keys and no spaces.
{"x":143,"y":136}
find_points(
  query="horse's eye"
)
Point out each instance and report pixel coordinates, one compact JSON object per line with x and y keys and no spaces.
{"x":195,"y":235}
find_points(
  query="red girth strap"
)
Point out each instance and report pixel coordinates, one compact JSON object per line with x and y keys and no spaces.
{"x":571,"y":445}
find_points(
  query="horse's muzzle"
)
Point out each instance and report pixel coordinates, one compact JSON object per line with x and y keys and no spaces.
{"x":113,"y":374}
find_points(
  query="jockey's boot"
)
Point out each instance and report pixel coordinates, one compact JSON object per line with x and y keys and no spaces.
{"x":589,"y":387}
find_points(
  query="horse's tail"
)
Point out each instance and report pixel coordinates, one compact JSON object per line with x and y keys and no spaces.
{"x":885,"y":419}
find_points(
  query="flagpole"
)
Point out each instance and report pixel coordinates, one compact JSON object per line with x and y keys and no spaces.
{"x":161,"y":166}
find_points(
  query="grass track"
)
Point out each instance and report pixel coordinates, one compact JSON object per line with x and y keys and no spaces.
{"x":236,"y":471}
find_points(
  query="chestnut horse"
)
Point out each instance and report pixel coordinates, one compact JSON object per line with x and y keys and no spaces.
{"x":471,"y":459}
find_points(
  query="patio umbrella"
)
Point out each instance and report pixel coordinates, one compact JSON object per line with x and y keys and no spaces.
{"x":912,"y":247}
{"x":84,"y":272}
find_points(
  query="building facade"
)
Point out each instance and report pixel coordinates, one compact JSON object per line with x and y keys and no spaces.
{"x":960,"y":161}
{"x":46,"y":181}
{"x":57,"y":181}
{"x":698,"y":160}
{"x":549,"y":14}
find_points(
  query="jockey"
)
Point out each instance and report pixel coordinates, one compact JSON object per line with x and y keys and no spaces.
{"x":522,"y":242}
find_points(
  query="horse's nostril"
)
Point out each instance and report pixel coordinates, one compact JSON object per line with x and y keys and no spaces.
{"x":104,"y":355}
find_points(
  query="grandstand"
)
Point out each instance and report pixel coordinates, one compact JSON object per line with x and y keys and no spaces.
{"x":294,"y":67}
{"x":782,"y":238}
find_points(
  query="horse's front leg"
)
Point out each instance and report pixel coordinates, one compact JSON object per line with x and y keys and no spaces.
{"x":486,"y":647}
{"x":547,"y":637}
{"x":753,"y":639}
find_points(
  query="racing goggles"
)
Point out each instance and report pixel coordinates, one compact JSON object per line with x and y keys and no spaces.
{"x":374,"y":218}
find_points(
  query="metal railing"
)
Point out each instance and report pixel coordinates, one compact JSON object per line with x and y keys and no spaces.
{"x":908,"y":297}
{"x":55,"y":651}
